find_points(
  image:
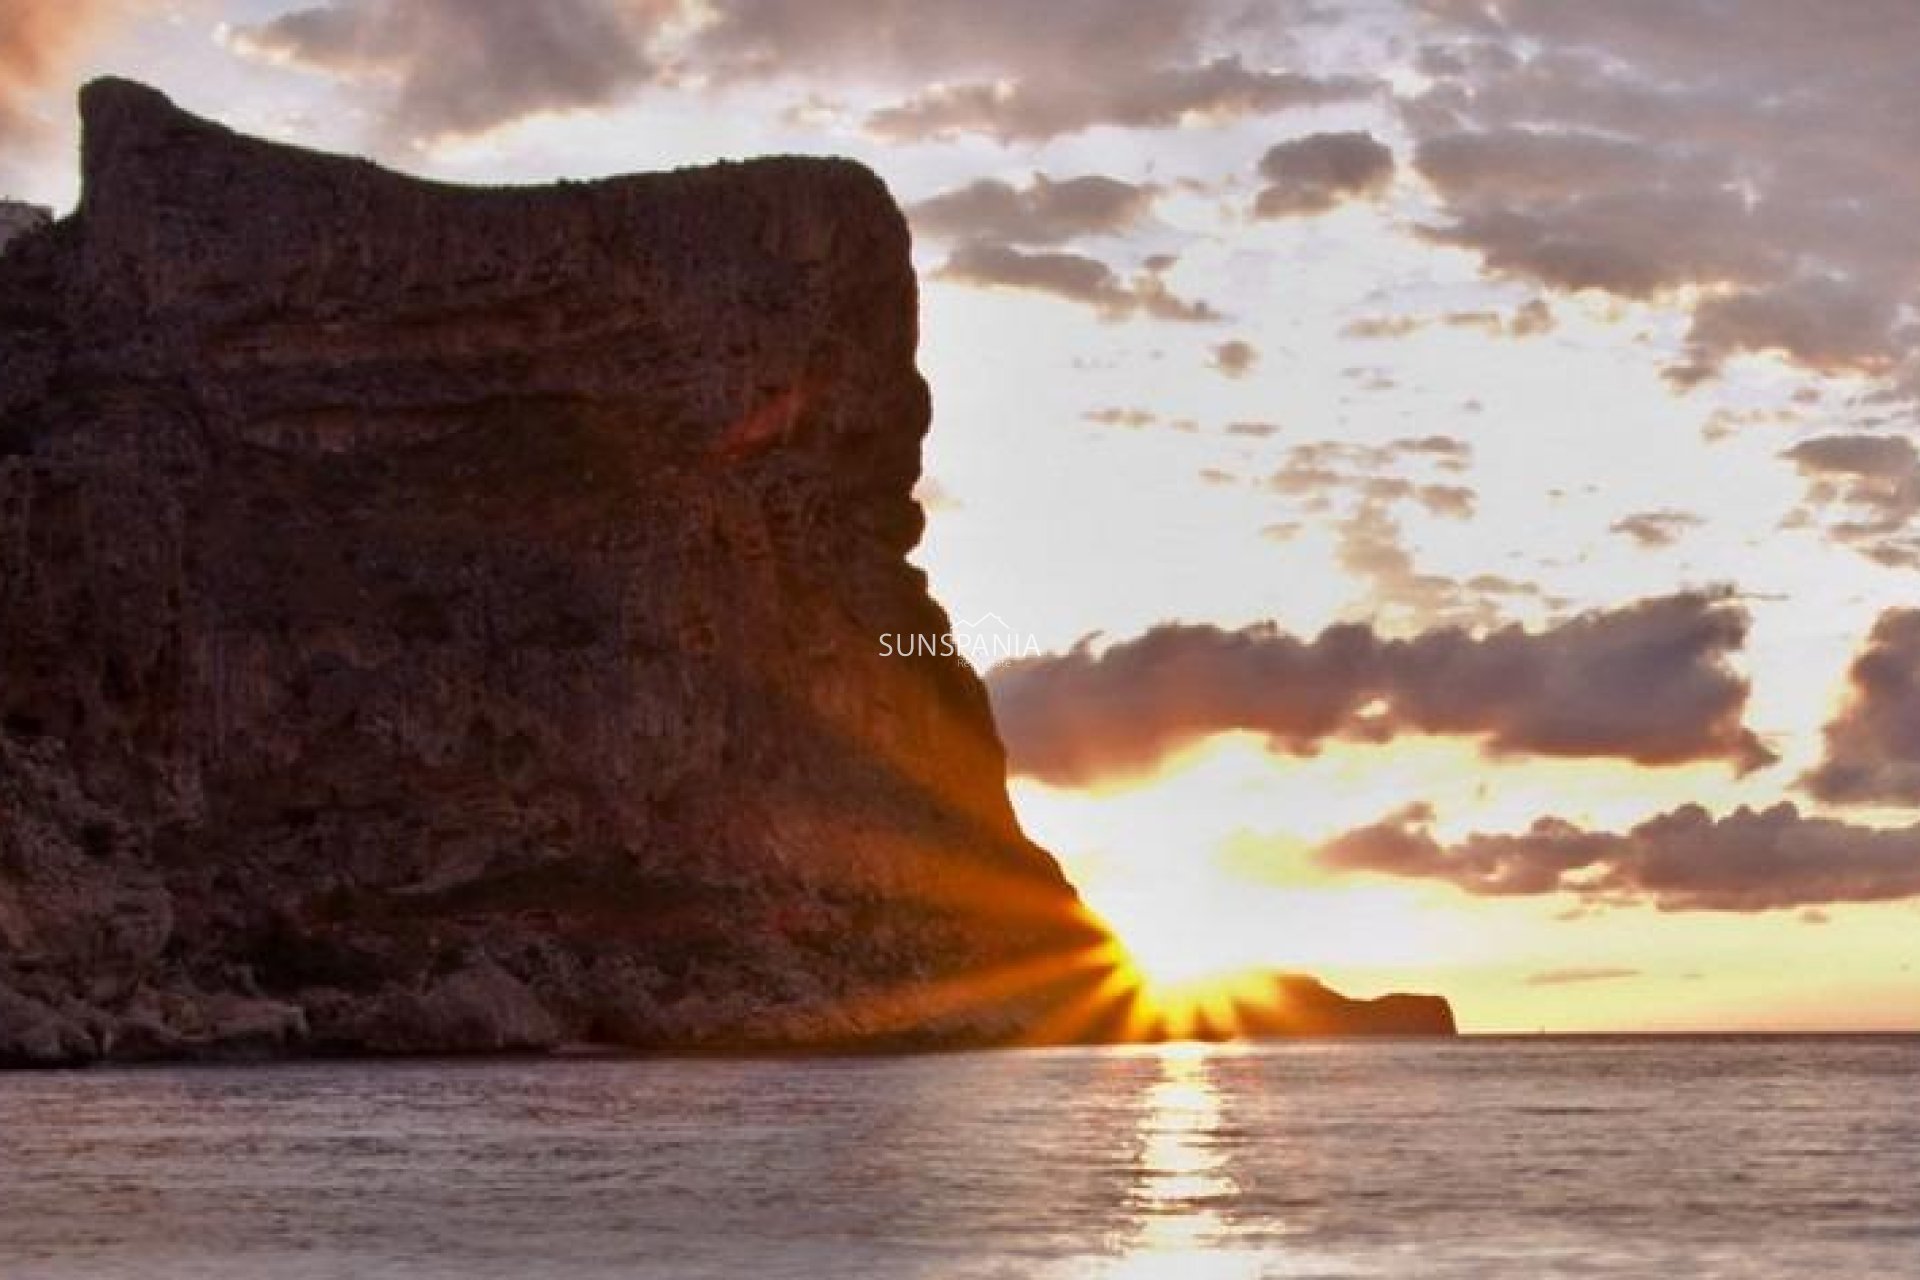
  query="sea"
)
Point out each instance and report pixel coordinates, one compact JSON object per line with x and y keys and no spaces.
{"x":1745,"y":1158}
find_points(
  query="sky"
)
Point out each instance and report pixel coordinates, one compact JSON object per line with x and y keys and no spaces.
{"x":1457,"y":460}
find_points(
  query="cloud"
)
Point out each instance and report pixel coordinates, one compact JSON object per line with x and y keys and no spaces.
{"x":1871,"y":486}
{"x":1074,"y":277}
{"x":1045,"y":212}
{"x":1051,"y":104}
{"x":1575,"y":211}
{"x":1314,"y":174}
{"x":1873,"y":745}
{"x":1774,"y":859}
{"x":1654,"y":530}
{"x":1315,"y":465}
{"x":1005,"y":69}
{"x":1252,"y":430}
{"x":1530,"y":319}
{"x":1451,"y":453}
{"x":1370,"y":327}
{"x":1360,"y":489}
{"x":1533,"y":318}
{"x":1131,"y":418}
{"x":1569,"y":977}
{"x":1121,"y":416}
{"x":1236,"y":357}
{"x":456,"y":68}
{"x":914,"y":41}
{"x":1013,"y":70}
{"x":1372,"y":546}
{"x":999,"y":67}
{"x":1827,"y":324}
{"x":1485,"y":321}
{"x":37,"y":42}
{"x":1735,"y":161}
{"x":1649,"y":683}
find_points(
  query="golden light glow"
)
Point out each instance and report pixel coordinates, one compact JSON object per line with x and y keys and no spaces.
{"x":1205,"y":873}
{"x":1183,"y":1172}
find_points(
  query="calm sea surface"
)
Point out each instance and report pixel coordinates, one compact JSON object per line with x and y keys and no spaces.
{"x":1523,"y":1158}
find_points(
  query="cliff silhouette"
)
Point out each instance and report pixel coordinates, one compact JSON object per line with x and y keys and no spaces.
{"x":443,"y":620}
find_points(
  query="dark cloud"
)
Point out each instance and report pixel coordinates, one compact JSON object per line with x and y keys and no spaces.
{"x":1826,"y":324}
{"x":1649,"y":683}
{"x":1569,"y":977}
{"x":1003,"y":68}
{"x":1870,"y":487}
{"x":452,"y":68}
{"x":914,"y":41}
{"x":1575,"y":211}
{"x":1045,"y":212}
{"x":1654,"y":530}
{"x":1010,"y":69}
{"x":1074,"y":277}
{"x":1314,"y":174}
{"x":1773,"y":859}
{"x":1753,"y":162}
{"x":1236,"y":357}
{"x":1873,"y":745}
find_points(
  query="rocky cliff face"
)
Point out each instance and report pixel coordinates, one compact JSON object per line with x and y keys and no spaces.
{"x":442,"y":619}
{"x":18,"y":219}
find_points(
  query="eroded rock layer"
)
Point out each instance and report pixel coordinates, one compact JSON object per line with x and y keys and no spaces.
{"x":440,"y":619}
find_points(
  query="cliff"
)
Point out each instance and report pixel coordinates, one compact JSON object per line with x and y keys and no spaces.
{"x":440,"y":619}
{"x":447,"y":620}
{"x":18,"y":219}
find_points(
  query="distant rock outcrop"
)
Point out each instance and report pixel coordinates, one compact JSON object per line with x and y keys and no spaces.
{"x":1302,"y":1006}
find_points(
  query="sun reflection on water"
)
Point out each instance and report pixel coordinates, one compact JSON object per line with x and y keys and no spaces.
{"x":1184,"y":1184}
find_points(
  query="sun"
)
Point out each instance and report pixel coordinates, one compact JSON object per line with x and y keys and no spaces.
{"x":1191,"y":977}
{"x":1166,"y":931}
